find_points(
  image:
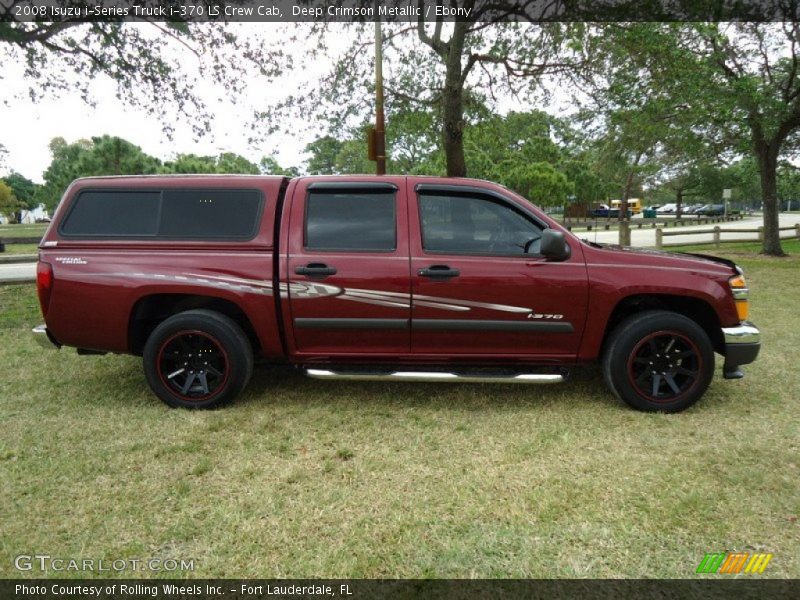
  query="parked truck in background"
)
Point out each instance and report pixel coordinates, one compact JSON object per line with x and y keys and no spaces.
{"x":364,"y":277}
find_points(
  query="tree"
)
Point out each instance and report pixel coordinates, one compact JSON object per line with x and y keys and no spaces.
{"x":148,"y":62}
{"x":268,"y":165}
{"x":427,"y":69}
{"x":9,"y":205}
{"x":323,"y":151}
{"x":227,"y":162}
{"x":756,"y":64}
{"x":742,"y":82}
{"x":104,"y":155}
{"x":517,"y":150}
{"x":24,"y":191}
{"x":63,"y":169}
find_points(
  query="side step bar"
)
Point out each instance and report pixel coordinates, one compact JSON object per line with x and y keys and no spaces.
{"x":434,"y":376}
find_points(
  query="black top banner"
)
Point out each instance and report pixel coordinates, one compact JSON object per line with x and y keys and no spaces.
{"x":534,"y":11}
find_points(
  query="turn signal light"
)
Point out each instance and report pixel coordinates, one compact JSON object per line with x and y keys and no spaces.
{"x":740,"y":294}
{"x":743,"y":309}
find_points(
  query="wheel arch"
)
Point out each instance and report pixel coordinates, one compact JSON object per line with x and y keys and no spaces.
{"x":150,"y":310}
{"x":697,"y":309}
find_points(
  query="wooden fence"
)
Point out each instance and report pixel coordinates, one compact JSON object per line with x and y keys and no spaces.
{"x":717,"y":232}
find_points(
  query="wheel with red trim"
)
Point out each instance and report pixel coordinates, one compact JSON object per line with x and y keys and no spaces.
{"x":198,"y":359}
{"x":658,"y":361}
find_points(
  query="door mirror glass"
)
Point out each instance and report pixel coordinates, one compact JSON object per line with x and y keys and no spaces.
{"x":554,"y":245}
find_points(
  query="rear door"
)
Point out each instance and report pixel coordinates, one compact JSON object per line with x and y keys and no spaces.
{"x":480,"y":288}
{"x":347,"y":276}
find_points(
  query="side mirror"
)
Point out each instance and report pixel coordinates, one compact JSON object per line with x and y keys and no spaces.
{"x":554,"y":246}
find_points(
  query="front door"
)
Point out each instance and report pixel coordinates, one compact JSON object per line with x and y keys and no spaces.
{"x":348,"y":272}
{"x":480,"y":287}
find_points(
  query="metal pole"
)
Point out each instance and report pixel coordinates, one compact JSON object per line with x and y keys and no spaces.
{"x":380,"y":133}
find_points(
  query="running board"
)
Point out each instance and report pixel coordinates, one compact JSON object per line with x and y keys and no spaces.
{"x":431,"y":376}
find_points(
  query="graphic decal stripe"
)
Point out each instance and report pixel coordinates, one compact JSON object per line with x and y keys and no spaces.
{"x":305,"y":290}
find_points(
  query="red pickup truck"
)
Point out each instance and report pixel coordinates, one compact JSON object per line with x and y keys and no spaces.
{"x":394,"y":278}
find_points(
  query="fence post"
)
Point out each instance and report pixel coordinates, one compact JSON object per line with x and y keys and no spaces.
{"x":760,"y":233}
{"x":659,"y":238}
{"x":716,"y":236}
{"x":797,"y":230}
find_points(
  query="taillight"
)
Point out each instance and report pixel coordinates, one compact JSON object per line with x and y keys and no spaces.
{"x":740,"y":294}
{"x":44,"y":285}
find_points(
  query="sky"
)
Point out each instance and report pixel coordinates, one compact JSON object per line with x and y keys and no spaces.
{"x":28,"y":127}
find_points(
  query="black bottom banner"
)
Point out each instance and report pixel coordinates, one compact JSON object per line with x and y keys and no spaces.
{"x":364,"y":589}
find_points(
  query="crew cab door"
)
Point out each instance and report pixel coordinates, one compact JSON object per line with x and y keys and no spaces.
{"x":347,"y":272}
{"x":480,"y":288}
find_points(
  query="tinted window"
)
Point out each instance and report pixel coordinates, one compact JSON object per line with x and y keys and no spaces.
{"x":113,"y":214}
{"x":350,"y":221}
{"x":209,"y":214}
{"x":172,"y":213}
{"x":469,"y":225}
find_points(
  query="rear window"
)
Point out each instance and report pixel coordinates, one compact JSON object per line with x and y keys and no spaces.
{"x":113,"y":214}
{"x":172,"y":213}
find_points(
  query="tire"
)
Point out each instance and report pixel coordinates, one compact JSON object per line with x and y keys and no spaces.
{"x":211,"y":346}
{"x":658,"y":361}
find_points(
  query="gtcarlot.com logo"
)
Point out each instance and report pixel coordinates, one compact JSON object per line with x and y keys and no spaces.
{"x":45,"y":562}
{"x":733,"y":563}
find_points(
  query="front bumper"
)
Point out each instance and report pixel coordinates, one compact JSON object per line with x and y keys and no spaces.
{"x":742,"y":344}
{"x":44,"y":338}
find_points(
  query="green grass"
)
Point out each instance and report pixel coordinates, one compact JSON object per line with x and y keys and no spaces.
{"x":303,"y":478}
{"x":20,"y":249}
{"x":737,"y":249}
{"x":12,"y":231}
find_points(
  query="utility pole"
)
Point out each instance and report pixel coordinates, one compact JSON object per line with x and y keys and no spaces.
{"x":380,"y":132}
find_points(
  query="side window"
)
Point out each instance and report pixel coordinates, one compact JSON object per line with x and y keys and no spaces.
{"x":113,"y":213}
{"x":360,"y":221}
{"x":194,"y":214}
{"x":210,"y":214}
{"x":475,"y":225}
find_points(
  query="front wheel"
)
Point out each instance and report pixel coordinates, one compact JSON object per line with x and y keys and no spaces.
{"x":198,"y":359}
{"x":658,"y":361}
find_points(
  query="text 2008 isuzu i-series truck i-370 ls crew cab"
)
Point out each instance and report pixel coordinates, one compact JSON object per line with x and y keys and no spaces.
{"x":402,"y":278}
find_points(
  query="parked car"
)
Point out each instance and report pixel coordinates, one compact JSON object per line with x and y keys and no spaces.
{"x":692,"y":208}
{"x":712,"y":210}
{"x":388,"y":278}
{"x":604,"y":211}
{"x":667,"y":209}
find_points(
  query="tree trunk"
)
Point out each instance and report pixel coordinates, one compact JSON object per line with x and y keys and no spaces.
{"x":678,"y":203}
{"x":767,"y":156}
{"x":453,"y":106}
{"x":626,"y":193}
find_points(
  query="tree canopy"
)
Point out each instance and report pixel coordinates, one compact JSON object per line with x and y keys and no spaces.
{"x":146,"y":61}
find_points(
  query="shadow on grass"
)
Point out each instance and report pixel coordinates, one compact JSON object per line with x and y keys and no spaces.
{"x":118,"y":382}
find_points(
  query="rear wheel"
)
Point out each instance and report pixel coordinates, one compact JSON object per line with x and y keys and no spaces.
{"x":658,"y":361}
{"x":198,"y":359}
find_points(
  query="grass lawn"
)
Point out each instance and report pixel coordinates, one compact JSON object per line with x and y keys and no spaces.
{"x":303,"y":478}
{"x":12,"y":231}
{"x":21,"y":249}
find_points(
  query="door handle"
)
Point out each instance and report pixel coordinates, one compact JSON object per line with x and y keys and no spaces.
{"x":439,"y":272}
{"x":316,"y":270}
